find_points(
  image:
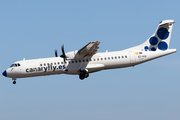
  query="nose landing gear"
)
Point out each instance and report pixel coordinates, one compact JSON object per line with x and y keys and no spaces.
{"x":14,"y":82}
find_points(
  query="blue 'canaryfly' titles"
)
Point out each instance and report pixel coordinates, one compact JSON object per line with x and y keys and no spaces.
{"x":45,"y":69}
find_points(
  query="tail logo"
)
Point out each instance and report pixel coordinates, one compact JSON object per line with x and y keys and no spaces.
{"x":158,"y":42}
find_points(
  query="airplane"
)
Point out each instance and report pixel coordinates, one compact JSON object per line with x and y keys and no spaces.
{"x":87,"y":60}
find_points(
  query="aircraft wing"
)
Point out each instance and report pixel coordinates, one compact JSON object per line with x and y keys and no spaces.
{"x":90,"y":49}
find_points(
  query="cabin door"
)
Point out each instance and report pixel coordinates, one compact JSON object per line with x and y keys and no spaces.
{"x":132,"y":57}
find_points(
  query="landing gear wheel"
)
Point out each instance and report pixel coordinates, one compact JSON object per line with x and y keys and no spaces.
{"x":86,"y":75}
{"x":83,"y":74}
{"x":81,"y":77}
{"x":14,"y":82}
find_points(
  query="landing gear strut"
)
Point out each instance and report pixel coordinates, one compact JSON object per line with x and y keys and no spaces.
{"x":83,"y":74}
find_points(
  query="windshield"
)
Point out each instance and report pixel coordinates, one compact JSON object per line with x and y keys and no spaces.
{"x":15,"y":65}
{"x":12,"y":65}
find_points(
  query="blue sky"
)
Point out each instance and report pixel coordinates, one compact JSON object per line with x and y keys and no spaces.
{"x":34,"y":29}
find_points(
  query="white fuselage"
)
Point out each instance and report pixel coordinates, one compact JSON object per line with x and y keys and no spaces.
{"x":99,"y":61}
{"x":87,"y":60}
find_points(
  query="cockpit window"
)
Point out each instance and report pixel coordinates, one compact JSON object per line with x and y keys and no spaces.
{"x":12,"y":65}
{"x":15,"y":65}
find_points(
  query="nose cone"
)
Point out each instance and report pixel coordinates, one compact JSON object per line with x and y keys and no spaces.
{"x":5,"y":73}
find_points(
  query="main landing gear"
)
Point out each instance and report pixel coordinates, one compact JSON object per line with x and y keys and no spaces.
{"x":83,"y":74}
{"x":14,"y":82}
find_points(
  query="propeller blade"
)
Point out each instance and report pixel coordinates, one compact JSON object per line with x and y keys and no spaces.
{"x":56,"y":53}
{"x":63,"y":53}
{"x":62,"y":48}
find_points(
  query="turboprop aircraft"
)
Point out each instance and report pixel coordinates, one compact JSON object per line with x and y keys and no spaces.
{"x":87,"y":60}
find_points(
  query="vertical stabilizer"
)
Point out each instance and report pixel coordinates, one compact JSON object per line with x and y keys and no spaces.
{"x":160,"y":40}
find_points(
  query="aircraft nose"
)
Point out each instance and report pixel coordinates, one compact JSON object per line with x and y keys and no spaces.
{"x":5,"y":73}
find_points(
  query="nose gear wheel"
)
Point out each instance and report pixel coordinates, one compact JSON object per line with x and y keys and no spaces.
{"x":14,"y":82}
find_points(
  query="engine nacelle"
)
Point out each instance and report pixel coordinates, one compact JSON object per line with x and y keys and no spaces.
{"x":73,"y":55}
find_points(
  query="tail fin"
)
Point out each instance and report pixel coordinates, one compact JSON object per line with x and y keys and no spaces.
{"x":160,"y":39}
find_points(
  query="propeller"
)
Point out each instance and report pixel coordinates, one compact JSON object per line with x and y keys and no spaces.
{"x":56,"y":53}
{"x":63,"y":53}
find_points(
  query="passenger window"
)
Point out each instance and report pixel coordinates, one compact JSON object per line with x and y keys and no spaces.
{"x":44,"y":64}
{"x":115,"y":57}
{"x":119,"y":57}
{"x":76,"y":61}
{"x":111,"y":57}
{"x":72,"y":61}
{"x":54,"y":63}
{"x":94,"y":59}
{"x":122,"y":56}
{"x":79,"y":60}
{"x":125,"y":56}
{"x":101,"y":58}
{"x":83,"y":60}
{"x":104,"y":58}
{"x":58,"y":63}
{"x":97,"y":59}
{"x":86,"y":60}
{"x":40,"y":64}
